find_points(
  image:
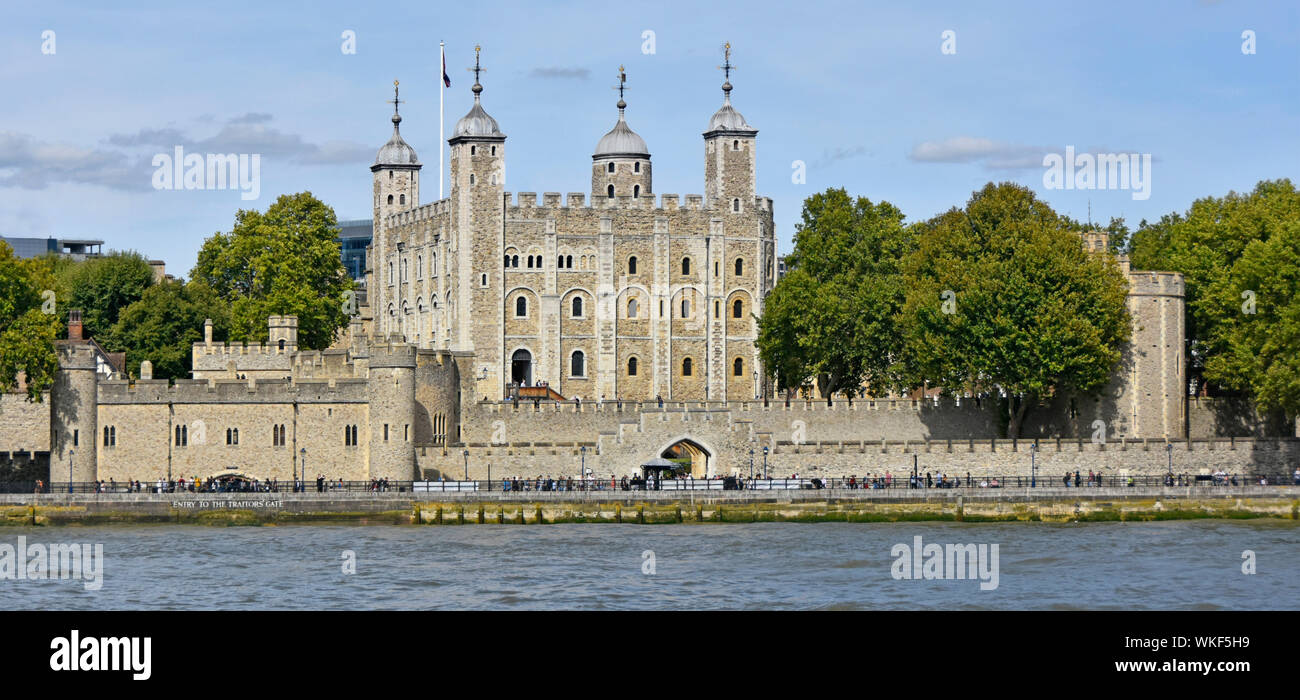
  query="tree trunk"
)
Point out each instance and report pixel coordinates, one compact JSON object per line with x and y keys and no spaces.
{"x":1017,"y":407}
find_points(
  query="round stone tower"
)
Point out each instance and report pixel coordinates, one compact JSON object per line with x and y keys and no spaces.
{"x":391,"y":392}
{"x":620,"y":167}
{"x":74,"y":409}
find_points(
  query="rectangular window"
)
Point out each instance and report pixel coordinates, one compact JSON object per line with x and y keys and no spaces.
{"x":385,"y":432}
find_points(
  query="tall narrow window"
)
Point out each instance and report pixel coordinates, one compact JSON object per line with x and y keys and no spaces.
{"x":735,"y":205}
{"x":401,"y":199}
{"x":686,"y":367}
{"x":390,"y":199}
{"x":631,"y":308}
{"x":611,"y":169}
{"x":636,"y":167}
{"x":740,"y":266}
{"x":686,"y":266}
{"x":631,"y":265}
{"x":739,"y":368}
{"x":577,"y":307}
{"x":636,"y":191}
{"x":578,"y":364}
{"x":521,"y":307}
{"x":631,"y":366}
{"x":610,"y":190}
{"x":686,"y":308}
{"x":738,"y":309}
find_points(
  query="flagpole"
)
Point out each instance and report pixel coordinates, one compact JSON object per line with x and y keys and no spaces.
{"x":442,"y":87}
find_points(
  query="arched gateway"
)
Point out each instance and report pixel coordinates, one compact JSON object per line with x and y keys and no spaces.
{"x":701,"y":459}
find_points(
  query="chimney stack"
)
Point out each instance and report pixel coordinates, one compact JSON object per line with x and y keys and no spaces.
{"x":74,"y":325}
{"x":207,"y":331}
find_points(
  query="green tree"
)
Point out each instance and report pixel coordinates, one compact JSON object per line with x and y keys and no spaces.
{"x":833,"y":317}
{"x":102,"y":287}
{"x":1002,"y":297}
{"x":1205,"y":244}
{"x":28,"y":326}
{"x":283,"y":261}
{"x":165,"y":323}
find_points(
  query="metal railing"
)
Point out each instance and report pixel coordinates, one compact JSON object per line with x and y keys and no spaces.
{"x":893,"y":482}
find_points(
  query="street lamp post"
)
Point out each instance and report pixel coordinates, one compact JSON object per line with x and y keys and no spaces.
{"x":751,"y":464}
{"x":764,"y":461}
{"x":583,"y":450}
{"x":1033,"y":465}
{"x":71,"y":456}
{"x":466,"y":465}
{"x":1169,"y":452}
{"x":302,"y":453}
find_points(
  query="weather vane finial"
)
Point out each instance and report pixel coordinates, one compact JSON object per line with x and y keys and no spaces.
{"x":726,"y":68}
{"x":622,"y":85}
{"x":477,"y":69}
{"x":396,"y":117}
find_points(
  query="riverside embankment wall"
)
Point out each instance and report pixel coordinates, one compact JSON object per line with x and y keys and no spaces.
{"x":1040,"y":504}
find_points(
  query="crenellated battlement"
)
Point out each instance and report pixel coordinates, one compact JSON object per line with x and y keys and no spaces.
{"x":425,"y":212}
{"x":235,"y":391}
{"x":75,"y":355}
{"x":519,"y":203}
{"x":1143,"y":283}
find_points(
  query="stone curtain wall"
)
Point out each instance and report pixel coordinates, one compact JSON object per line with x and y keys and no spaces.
{"x":24,"y":425}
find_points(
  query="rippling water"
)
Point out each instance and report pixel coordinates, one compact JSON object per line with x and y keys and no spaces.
{"x":1167,"y":565}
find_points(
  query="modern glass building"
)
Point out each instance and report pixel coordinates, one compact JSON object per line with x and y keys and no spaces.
{"x":77,"y":249}
{"x":354,"y":236}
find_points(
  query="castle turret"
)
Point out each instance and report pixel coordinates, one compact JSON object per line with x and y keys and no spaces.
{"x":729,"y":154}
{"x":620,"y":167}
{"x":74,"y":400}
{"x":478,"y":167}
{"x":283,"y":333}
{"x":391,"y":392}
{"x":396,"y":177}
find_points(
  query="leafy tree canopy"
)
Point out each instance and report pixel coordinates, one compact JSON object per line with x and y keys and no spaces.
{"x":28,"y":324}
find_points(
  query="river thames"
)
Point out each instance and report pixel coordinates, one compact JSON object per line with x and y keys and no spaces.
{"x":1182,"y":565}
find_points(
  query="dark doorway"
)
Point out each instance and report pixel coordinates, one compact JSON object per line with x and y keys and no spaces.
{"x":521,"y":368}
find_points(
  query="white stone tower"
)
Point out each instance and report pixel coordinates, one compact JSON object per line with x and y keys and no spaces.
{"x":396,"y":176}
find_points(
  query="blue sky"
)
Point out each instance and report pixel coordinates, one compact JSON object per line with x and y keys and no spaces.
{"x":860,"y":92}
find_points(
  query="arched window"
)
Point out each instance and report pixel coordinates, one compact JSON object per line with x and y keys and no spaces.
{"x":401,"y":199}
{"x":631,"y":265}
{"x":717,"y":309}
{"x":282,"y":345}
{"x":559,"y":261}
{"x":738,"y":309}
{"x":577,"y":307}
{"x":636,"y":191}
{"x":530,"y":262}
{"x":390,"y":199}
{"x":738,"y":368}
{"x":686,"y":266}
{"x":514,"y":261}
{"x":735,"y":145}
{"x":578,"y":364}
{"x":433,"y":265}
{"x":521,"y":307}
{"x":473,"y":150}
{"x":740,"y":266}
{"x":471,"y":178}
{"x":610,"y":190}
{"x":636,"y":167}
{"x":611,"y":167}
{"x":686,"y":308}
{"x":686,"y":367}
{"x":631,"y":366}
{"x":568,"y":261}
{"x":735,"y":205}
{"x":631,"y":308}
{"x":494,"y":150}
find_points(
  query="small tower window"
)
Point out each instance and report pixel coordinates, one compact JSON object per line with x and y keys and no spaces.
{"x":521,"y":307}
{"x":686,"y":266}
{"x":735,"y":145}
{"x":578,"y":364}
{"x":471,"y":178}
{"x":473,"y":150}
{"x":738,"y":309}
{"x":401,"y":199}
{"x":631,"y":308}
{"x":611,"y":167}
{"x":568,"y":261}
{"x":735,"y":205}
{"x":738,"y":368}
{"x":686,"y":367}
{"x":390,"y":199}
{"x":740,"y":266}
{"x":636,"y":167}
{"x":577,"y":307}
{"x":282,"y":345}
{"x":610,"y":190}
{"x":631,"y":265}
{"x":483,"y":280}
{"x":494,"y":150}
{"x":717,"y":309}
{"x":636,"y":191}
{"x":390,"y":174}
{"x":631,"y":366}
{"x":686,"y":308}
